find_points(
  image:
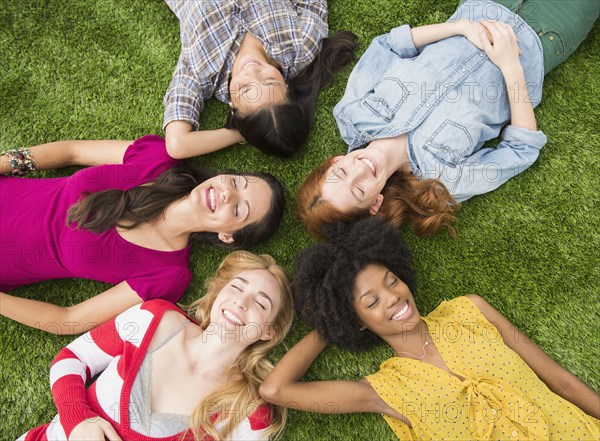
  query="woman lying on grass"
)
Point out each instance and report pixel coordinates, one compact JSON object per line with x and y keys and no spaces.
{"x":268,"y":59}
{"x":129,"y":222}
{"x":164,"y":375}
{"x":462,"y":372}
{"x":421,"y":103}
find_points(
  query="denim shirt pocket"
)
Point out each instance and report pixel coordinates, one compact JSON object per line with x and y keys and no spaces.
{"x":449,"y":143}
{"x":390,"y":95}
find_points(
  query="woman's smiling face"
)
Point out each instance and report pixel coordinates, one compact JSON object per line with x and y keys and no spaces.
{"x":353,"y":182}
{"x":383,"y":302}
{"x":227,"y":203}
{"x":247,"y":306}
{"x":256,"y":84}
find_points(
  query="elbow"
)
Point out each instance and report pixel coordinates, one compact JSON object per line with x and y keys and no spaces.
{"x":175,"y":147}
{"x":269,"y":392}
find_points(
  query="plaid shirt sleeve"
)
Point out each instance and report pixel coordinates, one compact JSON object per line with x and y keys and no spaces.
{"x":312,"y":23}
{"x":183,"y":100}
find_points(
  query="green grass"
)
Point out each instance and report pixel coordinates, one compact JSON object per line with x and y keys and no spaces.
{"x":97,"y":70}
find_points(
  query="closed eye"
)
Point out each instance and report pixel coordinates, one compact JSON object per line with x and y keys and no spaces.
{"x":237,"y":287}
{"x":361,"y":191}
{"x":261,"y":305}
{"x":374,"y":303}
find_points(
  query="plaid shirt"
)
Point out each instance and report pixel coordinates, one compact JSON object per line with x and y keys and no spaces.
{"x":211,"y":34}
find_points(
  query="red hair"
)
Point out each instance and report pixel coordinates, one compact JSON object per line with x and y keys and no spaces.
{"x":426,"y":205}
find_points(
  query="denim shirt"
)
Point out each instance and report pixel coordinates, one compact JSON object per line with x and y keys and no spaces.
{"x":449,"y":98}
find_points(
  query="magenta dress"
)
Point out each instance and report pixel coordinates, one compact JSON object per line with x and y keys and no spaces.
{"x":37,"y":245}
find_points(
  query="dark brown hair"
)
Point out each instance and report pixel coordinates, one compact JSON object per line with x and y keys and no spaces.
{"x":102,"y":210}
{"x":426,"y":205}
{"x":282,"y":129}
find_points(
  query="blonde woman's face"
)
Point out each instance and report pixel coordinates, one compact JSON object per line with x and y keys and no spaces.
{"x":247,"y":306}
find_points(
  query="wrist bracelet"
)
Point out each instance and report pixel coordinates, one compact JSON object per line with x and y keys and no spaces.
{"x":20,"y":161}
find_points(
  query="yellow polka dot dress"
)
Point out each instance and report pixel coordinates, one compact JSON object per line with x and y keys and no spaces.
{"x":500,"y":398}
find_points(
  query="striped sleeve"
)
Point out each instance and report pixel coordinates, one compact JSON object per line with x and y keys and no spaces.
{"x":87,"y":356}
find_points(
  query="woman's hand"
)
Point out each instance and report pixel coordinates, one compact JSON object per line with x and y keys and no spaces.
{"x":500,"y":44}
{"x":472,"y":31}
{"x":94,"y":429}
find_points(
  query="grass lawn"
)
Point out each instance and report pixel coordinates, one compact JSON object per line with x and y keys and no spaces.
{"x":98,"y":69}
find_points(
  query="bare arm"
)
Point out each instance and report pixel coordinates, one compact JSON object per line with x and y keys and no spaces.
{"x":558,"y":379}
{"x":183,"y":142}
{"x":283,"y":385}
{"x":65,"y":153}
{"x":69,"y":319}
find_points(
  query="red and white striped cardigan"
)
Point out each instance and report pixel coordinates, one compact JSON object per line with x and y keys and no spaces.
{"x":117,"y":349}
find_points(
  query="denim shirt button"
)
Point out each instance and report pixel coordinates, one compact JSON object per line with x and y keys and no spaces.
{"x":463,"y":69}
{"x":551,"y":37}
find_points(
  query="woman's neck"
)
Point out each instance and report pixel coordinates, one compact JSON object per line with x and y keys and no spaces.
{"x":391,"y":154}
{"x":171,"y":232}
{"x":218,"y":345}
{"x":411,"y":342}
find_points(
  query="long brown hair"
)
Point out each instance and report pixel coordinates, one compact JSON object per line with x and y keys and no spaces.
{"x":426,"y":204}
{"x":102,"y":210}
{"x":240,"y":397}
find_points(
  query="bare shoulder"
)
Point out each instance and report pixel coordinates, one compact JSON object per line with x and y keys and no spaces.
{"x":478,"y":301}
{"x":169,"y":322}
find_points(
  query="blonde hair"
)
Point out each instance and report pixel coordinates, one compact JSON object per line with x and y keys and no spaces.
{"x":239,"y":398}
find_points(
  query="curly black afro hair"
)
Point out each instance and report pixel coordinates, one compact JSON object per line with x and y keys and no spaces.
{"x":325,"y":275}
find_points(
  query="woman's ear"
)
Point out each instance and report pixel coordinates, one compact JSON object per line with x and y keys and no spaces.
{"x":226,"y":238}
{"x":376,"y":205}
{"x":267,"y":335}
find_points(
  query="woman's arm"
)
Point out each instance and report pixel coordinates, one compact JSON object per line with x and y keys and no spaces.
{"x":79,"y":362}
{"x":501,"y":45}
{"x":74,"y":319}
{"x":283,"y":385}
{"x":558,"y":379}
{"x":65,"y":153}
{"x":424,"y":35}
{"x":183,"y":142}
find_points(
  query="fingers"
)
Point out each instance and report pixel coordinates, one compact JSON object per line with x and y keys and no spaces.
{"x":497,"y":30}
{"x":109,"y":431}
{"x":485,"y":39}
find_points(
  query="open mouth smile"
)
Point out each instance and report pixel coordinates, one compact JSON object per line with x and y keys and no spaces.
{"x":231,"y":317}
{"x":402,"y":312}
{"x":211,"y":198}
{"x":369,"y":163}
{"x":250,"y":63}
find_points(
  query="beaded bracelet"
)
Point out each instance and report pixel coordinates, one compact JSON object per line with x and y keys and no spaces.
{"x":20,"y":161}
